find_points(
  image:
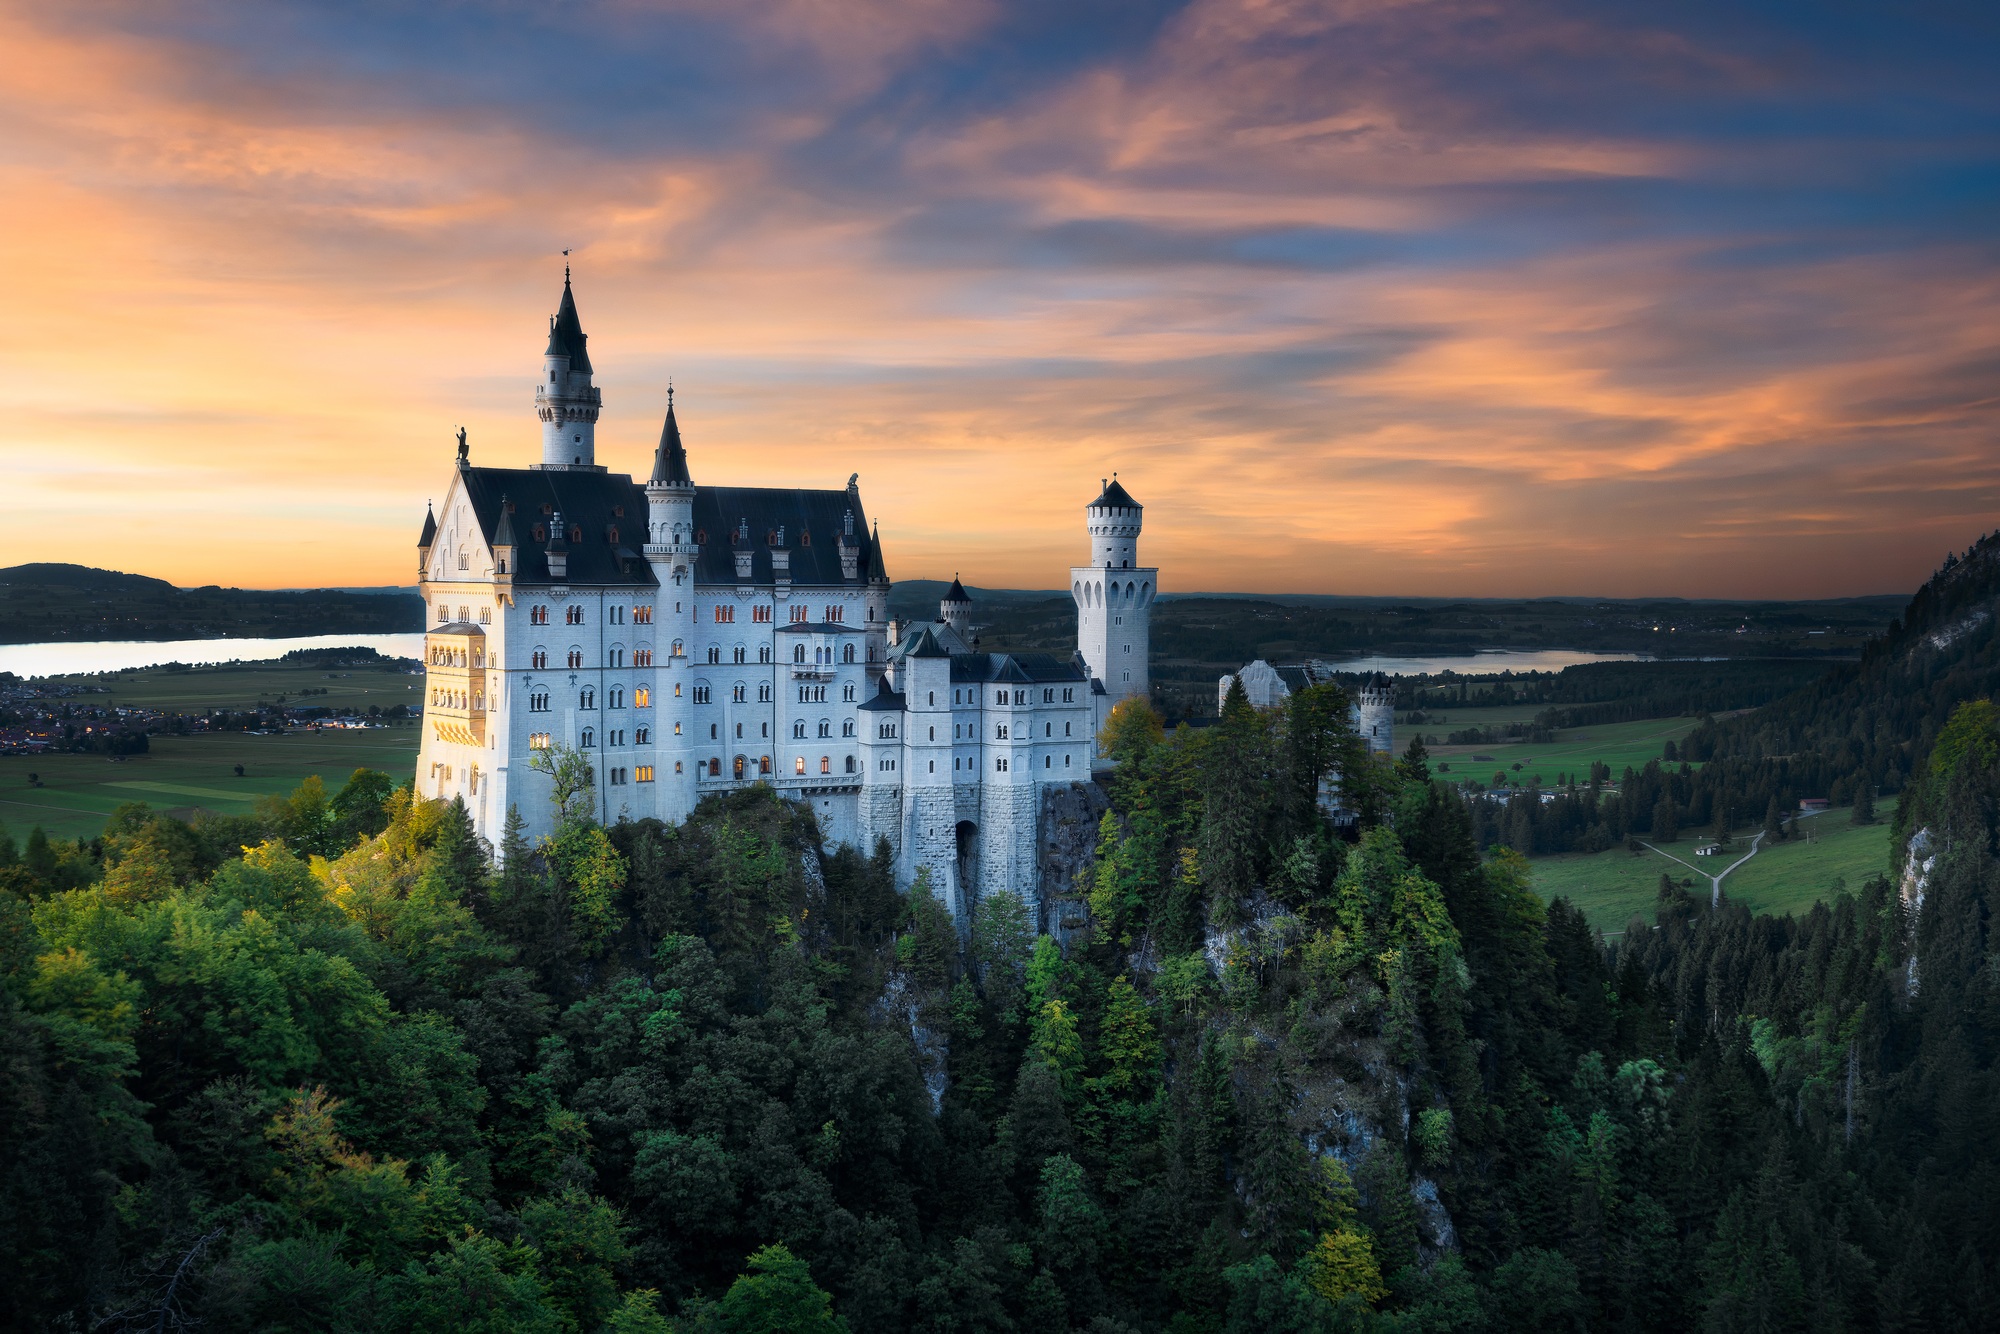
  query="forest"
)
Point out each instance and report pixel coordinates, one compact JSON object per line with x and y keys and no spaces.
{"x":335,"y":1065}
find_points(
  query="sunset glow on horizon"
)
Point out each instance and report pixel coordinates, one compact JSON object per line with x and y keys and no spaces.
{"x":1423,"y":299}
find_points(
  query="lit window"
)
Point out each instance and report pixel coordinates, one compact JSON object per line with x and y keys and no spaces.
{"x":826,"y":764}
{"x":642,"y":697}
{"x":645,"y":773}
{"x":801,"y":764}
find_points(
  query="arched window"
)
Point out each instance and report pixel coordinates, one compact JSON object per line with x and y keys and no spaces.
{"x":799,"y":730}
{"x":847,"y":728}
{"x":826,"y":764}
{"x":850,"y":764}
{"x":798,"y":653}
{"x":825,"y":727}
{"x":800,"y":766}
{"x":588,"y":739}
{"x":847,"y":653}
{"x":763,"y":764}
{"x":739,"y":766}
{"x":715,"y":768}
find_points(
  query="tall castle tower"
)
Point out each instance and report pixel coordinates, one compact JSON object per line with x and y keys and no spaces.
{"x":565,"y":400}
{"x":1114,"y":596}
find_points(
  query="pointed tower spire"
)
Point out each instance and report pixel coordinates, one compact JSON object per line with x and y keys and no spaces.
{"x":670,"y":460}
{"x":565,"y":400}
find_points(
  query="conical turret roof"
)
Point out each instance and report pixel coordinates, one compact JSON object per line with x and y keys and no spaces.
{"x":670,"y":460}
{"x":1114,"y":496}
{"x":956,"y":593}
{"x":503,"y":531}
{"x":566,"y":336}
{"x":430,"y":528}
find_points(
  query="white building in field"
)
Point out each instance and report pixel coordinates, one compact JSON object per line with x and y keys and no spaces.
{"x":693,"y":639}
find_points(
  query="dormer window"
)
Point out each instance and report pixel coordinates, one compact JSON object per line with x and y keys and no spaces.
{"x":541,"y":533}
{"x":575,"y":535}
{"x":617,"y":511}
{"x":547,"y":508}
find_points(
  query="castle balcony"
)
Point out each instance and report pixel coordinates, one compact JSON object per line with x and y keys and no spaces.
{"x":455,"y":683}
{"x":813,"y":672}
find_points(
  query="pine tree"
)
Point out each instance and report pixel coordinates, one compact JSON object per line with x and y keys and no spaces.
{"x":1864,"y":803}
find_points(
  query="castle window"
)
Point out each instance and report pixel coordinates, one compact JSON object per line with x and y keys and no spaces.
{"x":825,"y":727}
{"x":805,"y":539}
{"x":677,"y":765}
{"x":587,"y":698}
{"x":642,"y":697}
{"x":847,"y":728}
{"x":736,"y":768}
{"x":701,"y":694}
{"x":576,"y":657}
{"x":1065,"y":761}
{"x":538,"y":741}
{"x":1065,"y":729}
{"x":836,"y":612}
{"x":575,"y":535}
{"x":1048,"y":697}
{"x":761,"y":615}
{"x":847,"y":653}
{"x":547,"y":508}
{"x":739,"y":653}
{"x":1048,"y":761}
{"x":541,"y":534}
{"x":611,"y":535}
{"x":715,"y":653}
{"x":588,"y":739}
{"x":1067,"y":695}
{"x":444,"y":614}
{"x":642,"y":615}
{"x":763,"y":653}
{"x":850,"y":764}
{"x":701,"y":537}
{"x":538,"y":615}
{"x":1048,"y":729}
{"x":642,"y":735}
{"x":642,"y":657}
{"x":539,"y":658}
{"x":737,"y":692}
{"x":725,"y":615}
{"x":764,"y":693}
{"x":617,"y":657}
{"x":614,"y":615}
{"x":800,"y":614}
{"x":573,"y":614}
{"x":1001,"y":765}
{"x":826,"y":764}
{"x":799,"y":730}
{"x":538,"y":703}
{"x":1000,"y":732}
{"x":847,"y":693}
{"x":712,"y":733}
{"x":617,"y":696}
{"x":645,"y":773}
{"x":798,"y":653}
{"x":715,"y":768}
{"x":486,"y":615}
{"x":679,"y":650}
{"x":462,"y":560}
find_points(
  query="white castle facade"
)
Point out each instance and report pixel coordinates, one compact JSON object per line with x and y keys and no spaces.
{"x":1372,"y":715}
{"x":691,"y":639}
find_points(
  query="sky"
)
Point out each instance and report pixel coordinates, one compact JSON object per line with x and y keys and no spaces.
{"x":1494,"y":298}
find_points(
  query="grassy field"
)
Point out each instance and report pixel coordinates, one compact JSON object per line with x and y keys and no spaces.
{"x":184,"y":773}
{"x":1616,"y":744}
{"x":240,"y":686}
{"x":1787,"y":877}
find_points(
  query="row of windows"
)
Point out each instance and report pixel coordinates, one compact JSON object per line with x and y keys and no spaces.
{"x":743,"y":765}
{"x":573,"y":614}
{"x":760,"y":614}
{"x":538,"y":701}
{"x":963,"y":731}
{"x":620,"y":777}
{"x":465,"y":613}
{"x":458,"y":699}
{"x":1001,"y":697}
{"x":445,"y":656}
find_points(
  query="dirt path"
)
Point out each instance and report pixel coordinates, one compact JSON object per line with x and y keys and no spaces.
{"x":1714,"y":879}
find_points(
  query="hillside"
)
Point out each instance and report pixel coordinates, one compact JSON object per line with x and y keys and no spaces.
{"x":47,"y":601}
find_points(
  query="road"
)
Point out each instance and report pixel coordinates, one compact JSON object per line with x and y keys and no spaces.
{"x":1715,"y":880}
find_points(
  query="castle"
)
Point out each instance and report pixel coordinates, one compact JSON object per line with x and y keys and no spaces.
{"x":691,"y":639}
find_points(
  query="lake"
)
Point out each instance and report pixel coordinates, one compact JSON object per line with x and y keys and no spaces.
{"x":1486,"y":661}
{"x":116,"y":655}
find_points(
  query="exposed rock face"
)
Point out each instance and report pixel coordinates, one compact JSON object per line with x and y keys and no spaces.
{"x":1065,"y":855}
{"x":899,"y":1005}
{"x":1917,"y":863}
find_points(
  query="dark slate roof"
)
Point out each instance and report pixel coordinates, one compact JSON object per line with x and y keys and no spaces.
{"x":885,"y":700}
{"x":589,"y":501}
{"x":670,"y":460}
{"x":503,"y":532}
{"x":925,"y":645}
{"x":956,"y":593}
{"x":813,"y":522}
{"x":819,"y":628}
{"x":1115,"y":496}
{"x":430,"y":528}
{"x":1036,"y":668}
{"x":566,"y":336}
{"x":1295,"y":678}
{"x":457,"y":628}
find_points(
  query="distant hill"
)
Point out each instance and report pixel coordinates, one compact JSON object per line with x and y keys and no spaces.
{"x":47,"y":601}
{"x":1878,"y":715}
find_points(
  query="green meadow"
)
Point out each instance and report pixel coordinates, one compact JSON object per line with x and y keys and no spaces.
{"x":241,"y":686}
{"x":1786,"y":877}
{"x":1617,"y":744}
{"x":184,"y":774}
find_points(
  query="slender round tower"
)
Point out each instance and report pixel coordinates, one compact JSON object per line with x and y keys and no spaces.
{"x":1114,"y":597}
{"x":1375,"y":714}
{"x":565,"y":400}
{"x":955,"y":609}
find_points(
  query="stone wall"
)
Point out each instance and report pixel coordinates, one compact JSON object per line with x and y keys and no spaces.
{"x":1065,"y":853}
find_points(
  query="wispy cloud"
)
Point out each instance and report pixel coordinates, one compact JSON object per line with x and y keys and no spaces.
{"x":1430,"y":297}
